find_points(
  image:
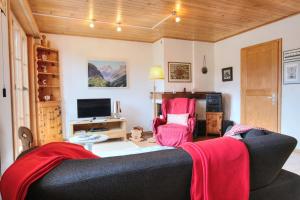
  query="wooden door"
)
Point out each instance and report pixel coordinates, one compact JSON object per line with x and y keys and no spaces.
{"x":261,"y":85}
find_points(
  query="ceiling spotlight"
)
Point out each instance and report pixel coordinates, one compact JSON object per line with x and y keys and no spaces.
{"x":119,"y":28}
{"x":92,"y":25}
{"x":177,"y":18}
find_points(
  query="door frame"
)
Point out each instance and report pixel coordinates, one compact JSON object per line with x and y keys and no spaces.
{"x":279,"y":83}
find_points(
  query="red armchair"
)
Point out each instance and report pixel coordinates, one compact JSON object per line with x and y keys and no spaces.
{"x":174,"y":134}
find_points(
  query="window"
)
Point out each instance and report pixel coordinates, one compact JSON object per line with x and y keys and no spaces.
{"x":20,"y":82}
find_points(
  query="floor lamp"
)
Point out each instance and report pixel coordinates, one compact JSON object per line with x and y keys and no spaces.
{"x":156,"y":73}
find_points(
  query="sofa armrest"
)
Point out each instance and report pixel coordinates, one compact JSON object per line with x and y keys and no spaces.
{"x":268,"y":153}
{"x":156,"y":123}
{"x":191,"y":124}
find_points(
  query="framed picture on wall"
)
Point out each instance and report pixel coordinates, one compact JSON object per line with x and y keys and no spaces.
{"x":291,"y":66}
{"x":291,"y":72}
{"x":105,"y":74}
{"x":227,"y":74}
{"x":179,"y":72}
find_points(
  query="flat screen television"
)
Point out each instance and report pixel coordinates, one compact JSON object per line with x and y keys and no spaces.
{"x":87,"y":108}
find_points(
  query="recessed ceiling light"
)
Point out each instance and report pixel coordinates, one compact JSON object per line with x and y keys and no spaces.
{"x":177,"y":18}
{"x":92,"y":24}
{"x":119,"y":28}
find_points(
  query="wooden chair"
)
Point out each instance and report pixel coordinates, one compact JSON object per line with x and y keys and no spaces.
{"x":25,"y":135}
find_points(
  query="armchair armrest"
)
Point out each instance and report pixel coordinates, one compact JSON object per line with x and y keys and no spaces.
{"x":191,"y":124}
{"x":156,"y":123}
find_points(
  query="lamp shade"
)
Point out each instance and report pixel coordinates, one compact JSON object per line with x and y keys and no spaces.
{"x":156,"y":73}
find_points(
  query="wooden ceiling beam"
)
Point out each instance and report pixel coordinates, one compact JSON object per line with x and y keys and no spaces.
{"x":23,"y":13}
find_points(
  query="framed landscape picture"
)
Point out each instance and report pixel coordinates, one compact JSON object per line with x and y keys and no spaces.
{"x":227,"y":74}
{"x":107,"y":74}
{"x":179,"y":72}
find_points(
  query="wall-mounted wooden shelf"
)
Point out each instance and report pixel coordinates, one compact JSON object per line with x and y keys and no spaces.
{"x":49,"y":102}
{"x":41,"y":48}
{"x":47,"y":61}
{"x":46,"y":81}
{"x":48,"y":73}
{"x":49,"y":86}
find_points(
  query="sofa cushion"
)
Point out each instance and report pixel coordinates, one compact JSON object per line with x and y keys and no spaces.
{"x":253,"y":133}
{"x":284,"y":187}
{"x":267,"y":153}
{"x":159,"y":175}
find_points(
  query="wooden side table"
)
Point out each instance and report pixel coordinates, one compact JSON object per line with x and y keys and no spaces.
{"x":214,"y":123}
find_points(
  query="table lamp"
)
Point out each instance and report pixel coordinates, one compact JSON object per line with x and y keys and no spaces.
{"x":156,"y":73}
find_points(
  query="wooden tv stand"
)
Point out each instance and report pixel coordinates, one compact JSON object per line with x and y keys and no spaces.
{"x":113,"y":128}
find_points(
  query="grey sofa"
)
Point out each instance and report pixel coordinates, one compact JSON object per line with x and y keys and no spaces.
{"x":166,"y":175}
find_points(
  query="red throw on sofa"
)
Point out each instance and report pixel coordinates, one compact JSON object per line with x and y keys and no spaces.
{"x":35,"y":164}
{"x":220,"y":169}
{"x":174,"y":134}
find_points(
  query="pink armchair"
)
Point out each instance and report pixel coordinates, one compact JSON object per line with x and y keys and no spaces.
{"x":174,"y":134}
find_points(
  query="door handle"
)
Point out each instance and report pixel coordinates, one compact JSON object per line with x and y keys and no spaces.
{"x":273,"y":98}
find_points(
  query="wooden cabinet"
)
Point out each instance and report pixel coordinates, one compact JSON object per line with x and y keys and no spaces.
{"x":113,"y":128}
{"x":214,"y":123}
{"x":45,"y":94}
{"x":49,"y":122}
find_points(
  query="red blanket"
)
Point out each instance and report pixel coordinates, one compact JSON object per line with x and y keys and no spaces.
{"x":220,"y":169}
{"x":29,"y":168}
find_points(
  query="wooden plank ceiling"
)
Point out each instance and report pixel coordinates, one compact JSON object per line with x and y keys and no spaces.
{"x":202,"y":20}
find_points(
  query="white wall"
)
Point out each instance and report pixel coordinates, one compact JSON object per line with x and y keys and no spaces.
{"x":74,"y":55}
{"x":227,"y":53}
{"x":6,"y":140}
{"x":192,"y":52}
{"x":173,"y":50}
{"x":203,"y":82}
{"x":158,"y":59}
{"x":177,"y":51}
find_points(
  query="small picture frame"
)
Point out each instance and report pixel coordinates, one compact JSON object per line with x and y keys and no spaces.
{"x":227,"y":74}
{"x":179,"y":72}
{"x":291,"y":72}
